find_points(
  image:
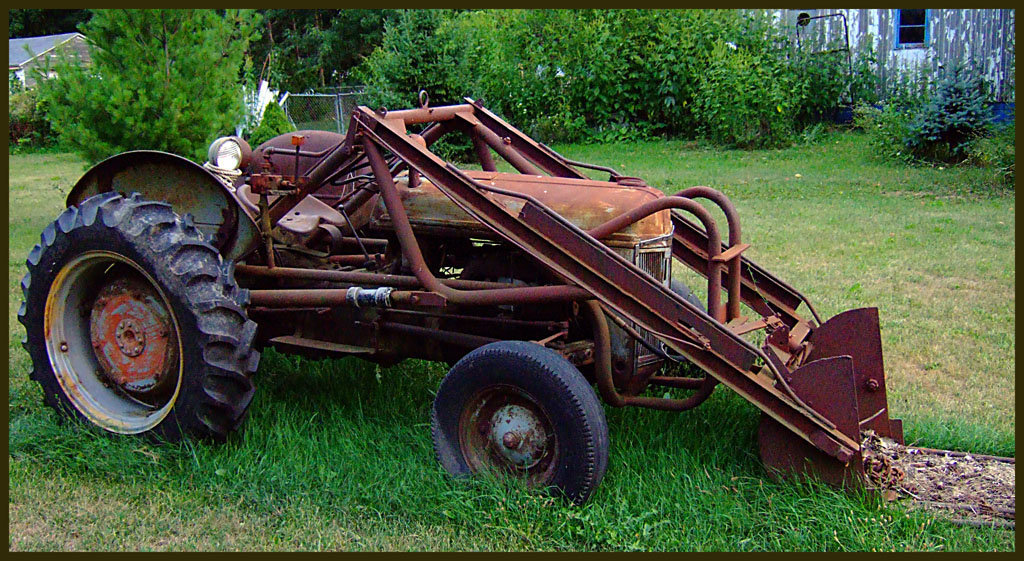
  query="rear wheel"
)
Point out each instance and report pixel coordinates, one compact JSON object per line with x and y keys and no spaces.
{"x":522,"y":409}
{"x":135,"y":325}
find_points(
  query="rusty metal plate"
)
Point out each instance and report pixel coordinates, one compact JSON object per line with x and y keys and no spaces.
{"x":584,"y":202}
{"x":856,"y":333}
{"x":827,"y":386}
{"x":133,"y":337}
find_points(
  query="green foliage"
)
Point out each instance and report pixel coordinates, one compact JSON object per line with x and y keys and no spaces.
{"x":33,"y":23}
{"x":926,"y":120}
{"x":997,"y":152}
{"x":620,"y":75}
{"x":303,"y":50}
{"x":412,"y":57}
{"x":274,"y":123}
{"x":865,"y":83}
{"x":741,"y":101}
{"x":886,"y":127}
{"x":953,"y":115}
{"x":14,"y":84}
{"x":160,"y":79}
{"x":29,"y":127}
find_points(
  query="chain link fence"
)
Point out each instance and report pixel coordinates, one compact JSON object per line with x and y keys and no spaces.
{"x":328,"y":111}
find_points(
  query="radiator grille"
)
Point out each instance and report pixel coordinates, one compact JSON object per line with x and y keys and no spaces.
{"x":657,"y":262}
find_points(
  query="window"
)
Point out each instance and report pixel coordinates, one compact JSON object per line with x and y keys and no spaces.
{"x":911,"y":28}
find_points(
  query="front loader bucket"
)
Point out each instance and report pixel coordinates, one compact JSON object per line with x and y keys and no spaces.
{"x":843,"y":379}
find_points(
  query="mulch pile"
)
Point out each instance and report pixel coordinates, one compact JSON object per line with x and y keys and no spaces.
{"x":976,"y":490}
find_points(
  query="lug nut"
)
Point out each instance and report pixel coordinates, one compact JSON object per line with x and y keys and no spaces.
{"x":63,"y":347}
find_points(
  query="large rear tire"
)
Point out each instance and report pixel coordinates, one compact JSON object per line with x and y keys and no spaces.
{"x":135,"y":324}
{"x":519,"y":408}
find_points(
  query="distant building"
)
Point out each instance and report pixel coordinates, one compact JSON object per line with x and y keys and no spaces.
{"x":906,"y":40}
{"x":28,"y":54}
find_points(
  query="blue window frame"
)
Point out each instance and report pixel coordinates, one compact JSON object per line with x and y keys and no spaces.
{"x":911,"y":29}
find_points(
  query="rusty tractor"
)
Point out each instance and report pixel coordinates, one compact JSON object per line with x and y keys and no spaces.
{"x":148,"y":297}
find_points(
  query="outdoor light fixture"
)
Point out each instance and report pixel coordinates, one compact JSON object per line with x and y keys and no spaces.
{"x":229,"y":152}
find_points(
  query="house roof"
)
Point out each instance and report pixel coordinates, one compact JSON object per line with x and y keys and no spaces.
{"x":17,"y":55}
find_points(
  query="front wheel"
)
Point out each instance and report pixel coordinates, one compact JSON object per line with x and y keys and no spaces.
{"x":522,"y":409}
{"x":134,"y":324}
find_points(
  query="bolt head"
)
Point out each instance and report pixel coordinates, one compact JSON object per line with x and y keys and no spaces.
{"x":511,"y":440}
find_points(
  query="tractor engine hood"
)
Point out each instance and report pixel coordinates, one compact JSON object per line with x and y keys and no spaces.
{"x":586,"y":203}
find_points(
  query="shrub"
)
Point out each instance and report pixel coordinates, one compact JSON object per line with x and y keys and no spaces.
{"x":821,"y":81}
{"x":273,"y":123}
{"x":411,"y":58}
{"x":740,"y":100}
{"x":996,"y":151}
{"x":928,"y":121}
{"x":886,"y":128}
{"x":608,"y":75}
{"x":953,"y":115}
{"x":29,"y":127}
{"x":159,"y":79}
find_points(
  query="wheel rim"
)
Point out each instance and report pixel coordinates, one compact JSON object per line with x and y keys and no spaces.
{"x":113,"y":342}
{"x":503,"y":428}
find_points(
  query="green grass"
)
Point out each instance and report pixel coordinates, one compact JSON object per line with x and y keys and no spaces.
{"x":337,"y":454}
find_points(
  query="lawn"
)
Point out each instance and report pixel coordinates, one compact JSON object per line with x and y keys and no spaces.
{"x":337,"y":454}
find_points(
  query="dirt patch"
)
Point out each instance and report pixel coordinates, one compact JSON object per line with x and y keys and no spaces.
{"x":971,"y":489}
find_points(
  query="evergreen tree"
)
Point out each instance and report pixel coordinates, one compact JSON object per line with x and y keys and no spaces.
{"x":159,"y":79}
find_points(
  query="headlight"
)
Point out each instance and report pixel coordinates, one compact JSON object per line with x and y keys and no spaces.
{"x":229,"y":152}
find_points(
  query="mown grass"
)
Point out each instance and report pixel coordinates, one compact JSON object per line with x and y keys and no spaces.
{"x":337,"y":454}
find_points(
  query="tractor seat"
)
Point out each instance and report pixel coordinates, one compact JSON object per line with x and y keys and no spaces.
{"x":302,"y":220}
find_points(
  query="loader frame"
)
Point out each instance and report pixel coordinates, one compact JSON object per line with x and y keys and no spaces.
{"x":820,"y":382}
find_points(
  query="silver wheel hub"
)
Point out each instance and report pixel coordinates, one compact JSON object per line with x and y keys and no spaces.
{"x":518,"y":435}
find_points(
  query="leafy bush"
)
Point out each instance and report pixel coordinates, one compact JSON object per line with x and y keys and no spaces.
{"x":953,"y":115}
{"x":996,"y":151}
{"x":821,"y":82}
{"x":741,"y":101}
{"x":159,"y":79}
{"x":618,"y":75}
{"x":886,"y":127}
{"x":29,"y":127}
{"x":929,"y":121}
{"x":273,"y":123}
{"x":411,"y":58}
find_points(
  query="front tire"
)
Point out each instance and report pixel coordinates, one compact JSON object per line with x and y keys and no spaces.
{"x":134,"y":324}
{"x":522,"y":409}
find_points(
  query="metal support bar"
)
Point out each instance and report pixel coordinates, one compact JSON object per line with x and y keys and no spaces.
{"x":411,"y":251}
{"x":606,"y":384}
{"x":714,"y":242}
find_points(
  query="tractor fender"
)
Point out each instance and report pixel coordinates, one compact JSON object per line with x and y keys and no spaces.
{"x":187,"y":186}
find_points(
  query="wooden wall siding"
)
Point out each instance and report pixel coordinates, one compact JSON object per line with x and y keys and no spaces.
{"x":982,"y":39}
{"x":76,"y":47}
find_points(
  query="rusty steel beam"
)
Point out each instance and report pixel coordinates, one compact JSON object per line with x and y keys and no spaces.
{"x":503,"y":146}
{"x":427,"y":114}
{"x":541,"y":155}
{"x":714,"y":242}
{"x":483,"y":153}
{"x":732,"y":218}
{"x":330,"y":297}
{"x":411,"y":250}
{"x":606,"y":383}
{"x":762,"y":291}
{"x":355,"y":277}
{"x":453,"y":337}
{"x":550,"y":326}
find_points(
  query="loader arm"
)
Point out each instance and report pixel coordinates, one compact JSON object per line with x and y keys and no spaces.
{"x":622,"y":287}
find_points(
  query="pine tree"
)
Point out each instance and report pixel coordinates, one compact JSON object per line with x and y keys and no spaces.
{"x":159,"y":79}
